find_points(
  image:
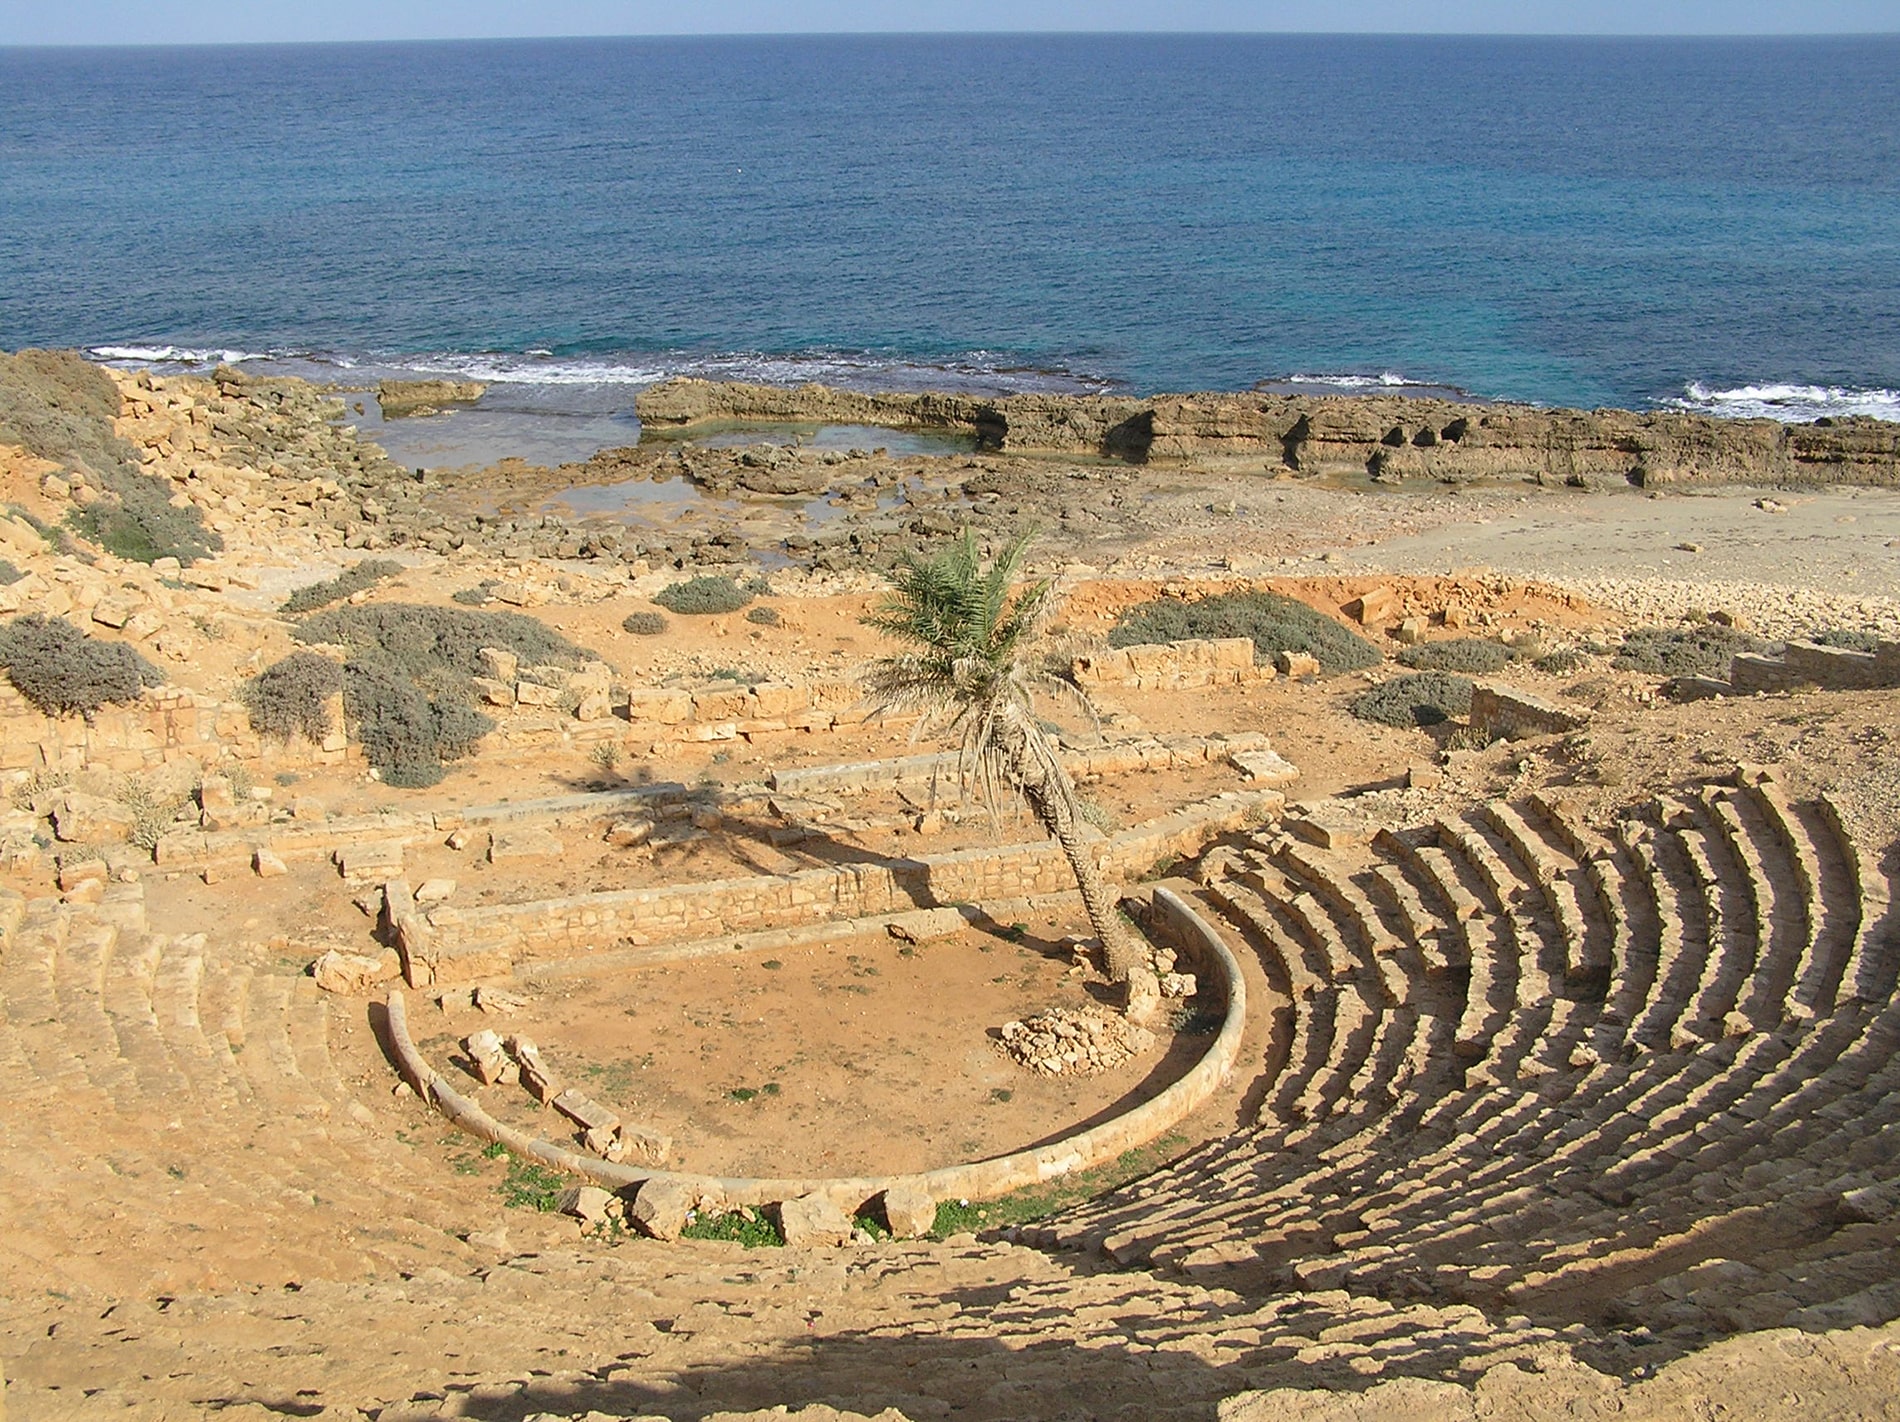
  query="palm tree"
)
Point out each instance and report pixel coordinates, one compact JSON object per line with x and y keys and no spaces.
{"x":967,"y":667}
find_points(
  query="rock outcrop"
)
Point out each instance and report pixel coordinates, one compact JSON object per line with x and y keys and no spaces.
{"x":1388,"y":437}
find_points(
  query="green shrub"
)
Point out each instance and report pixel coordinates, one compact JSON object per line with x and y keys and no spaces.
{"x":365,"y":574}
{"x":477,"y":596}
{"x":293,"y":696}
{"x":1475,"y":656}
{"x":136,"y":521}
{"x":765,"y":616}
{"x":1702,"y":650}
{"x":702,"y":596}
{"x":1846,"y":638}
{"x":419,"y":639}
{"x":1275,"y":623}
{"x":60,"y":670}
{"x":408,"y":684}
{"x":1423,"y":699}
{"x":753,"y":1228}
{"x":644,"y":624}
{"x":1560,"y":662}
{"x":9,"y":574}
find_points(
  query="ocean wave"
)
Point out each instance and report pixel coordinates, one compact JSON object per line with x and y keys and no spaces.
{"x":1384,"y":380}
{"x":1789,"y":403}
{"x":172,"y":355}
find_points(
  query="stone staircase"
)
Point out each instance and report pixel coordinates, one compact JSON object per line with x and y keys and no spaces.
{"x":172,"y":1117}
{"x":1529,"y":1065}
{"x":1531,"y":1091}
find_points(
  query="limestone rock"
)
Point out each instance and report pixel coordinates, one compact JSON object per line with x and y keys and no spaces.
{"x":435,"y":891}
{"x":217,"y":804}
{"x":267,"y":864}
{"x":80,"y":818}
{"x":400,"y":398}
{"x":1296,"y":664}
{"x":909,"y":1211}
{"x":814,"y":1220}
{"x":350,"y":974}
{"x":1063,"y":1042}
{"x":587,"y":1203}
{"x":660,"y":1208}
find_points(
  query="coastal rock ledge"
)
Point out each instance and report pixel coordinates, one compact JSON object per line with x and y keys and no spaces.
{"x":1388,"y":437}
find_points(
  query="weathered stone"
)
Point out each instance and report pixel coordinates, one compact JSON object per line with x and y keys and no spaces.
{"x":624,"y":834}
{"x":540,"y":1081}
{"x":1264,"y":766}
{"x":379,"y":860}
{"x":814,"y":1220}
{"x":643,"y":1145}
{"x":487,"y":1055}
{"x":660,"y":1208}
{"x":81,"y":871}
{"x":499,"y":664}
{"x":1296,"y":664}
{"x":350,"y":974}
{"x":435,"y":891}
{"x":909,"y":1211}
{"x":587,"y":1203}
{"x":80,"y":818}
{"x":1372,"y":608}
{"x":595,"y":705}
{"x":585,"y":1112}
{"x":532,"y":693}
{"x":218,"y":807}
{"x":267,"y":864}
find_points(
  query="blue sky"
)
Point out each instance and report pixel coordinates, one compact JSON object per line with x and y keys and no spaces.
{"x":207,"y":21}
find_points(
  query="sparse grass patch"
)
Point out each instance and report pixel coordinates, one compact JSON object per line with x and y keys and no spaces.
{"x":703,"y":596}
{"x":1275,"y":623}
{"x":61,"y":671}
{"x":365,"y":574}
{"x":9,"y":574}
{"x":1474,"y":656}
{"x":764,"y":616}
{"x":1422,"y":699}
{"x":643,"y":624}
{"x":753,"y":1228}
{"x":530,"y":1186}
{"x":1039,"y":1201}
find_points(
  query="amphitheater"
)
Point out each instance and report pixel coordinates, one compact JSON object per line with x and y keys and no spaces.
{"x":1539,"y":1095}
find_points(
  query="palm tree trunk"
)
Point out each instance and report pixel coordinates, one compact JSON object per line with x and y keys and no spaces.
{"x":1052,"y":799}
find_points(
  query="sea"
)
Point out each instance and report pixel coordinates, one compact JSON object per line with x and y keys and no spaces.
{"x":1701,"y":224}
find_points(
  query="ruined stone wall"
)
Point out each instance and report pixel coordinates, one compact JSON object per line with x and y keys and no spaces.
{"x":1809,"y":664}
{"x":584,"y":923}
{"x":1220,"y":661}
{"x":165,"y":725}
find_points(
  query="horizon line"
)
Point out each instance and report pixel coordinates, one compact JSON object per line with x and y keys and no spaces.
{"x":1212,"y":33}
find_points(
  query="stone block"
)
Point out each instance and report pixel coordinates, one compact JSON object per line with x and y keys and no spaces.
{"x":266,"y":863}
{"x":625,"y":834}
{"x":379,"y":859}
{"x":532,"y":693}
{"x":909,"y":1211}
{"x":1264,"y":766}
{"x":722,"y":704}
{"x":587,"y":1203}
{"x":435,"y":891}
{"x":814,"y":1220}
{"x":663,"y":706}
{"x":1296,"y":664}
{"x":1372,"y":608}
{"x":585,"y":1112}
{"x":487,"y":1055}
{"x":499,"y":664}
{"x":218,"y":807}
{"x":81,"y":871}
{"x":660,"y":1208}
{"x":494,"y":692}
{"x":351,"y":974}
{"x":643,"y":1145}
{"x":777,"y":699}
{"x":80,"y":818}
{"x":595,"y":705}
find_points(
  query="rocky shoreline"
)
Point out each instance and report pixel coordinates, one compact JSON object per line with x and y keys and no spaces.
{"x":1385,"y":437}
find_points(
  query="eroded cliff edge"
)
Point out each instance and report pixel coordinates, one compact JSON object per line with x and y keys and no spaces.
{"x":1389,"y":437}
